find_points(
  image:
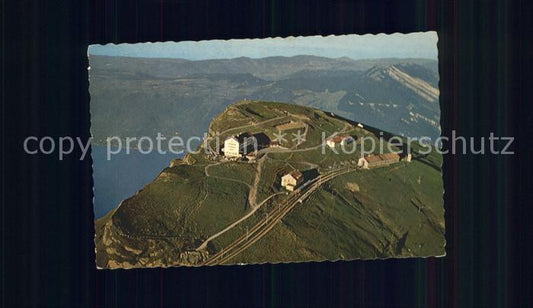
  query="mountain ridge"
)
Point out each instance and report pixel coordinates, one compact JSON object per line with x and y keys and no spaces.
{"x":168,"y":222}
{"x":133,"y":97}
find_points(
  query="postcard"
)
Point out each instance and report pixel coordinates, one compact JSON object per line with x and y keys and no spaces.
{"x":250,"y":151}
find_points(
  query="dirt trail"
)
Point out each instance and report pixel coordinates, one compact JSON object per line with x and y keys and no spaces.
{"x":252,"y":196}
{"x":266,"y":224}
{"x":254,"y":209}
{"x":206,"y":171}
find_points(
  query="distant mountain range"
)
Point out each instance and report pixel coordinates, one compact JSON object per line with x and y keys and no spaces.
{"x":132,"y":97}
{"x":207,"y":210}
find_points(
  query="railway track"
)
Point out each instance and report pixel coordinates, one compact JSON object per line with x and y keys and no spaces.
{"x":270,"y":221}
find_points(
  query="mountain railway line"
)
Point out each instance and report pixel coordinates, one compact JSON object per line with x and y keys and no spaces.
{"x":270,"y":221}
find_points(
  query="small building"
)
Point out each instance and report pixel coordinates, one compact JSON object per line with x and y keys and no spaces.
{"x":360,"y":125}
{"x":408,"y":157}
{"x":292,"y":180}
{"x":330,"y":142}
{"x":378,"y":160}
{"x":251,"y":157}
{"x":343,"y":140}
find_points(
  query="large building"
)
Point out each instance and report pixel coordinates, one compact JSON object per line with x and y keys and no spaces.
{"x":378,"y":160}
{"x":292,"y":180}
{"x":231,"y":147}
{"x":237,"y":146}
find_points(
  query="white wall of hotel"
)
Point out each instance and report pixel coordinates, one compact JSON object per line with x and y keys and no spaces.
{"x":231,"y":147}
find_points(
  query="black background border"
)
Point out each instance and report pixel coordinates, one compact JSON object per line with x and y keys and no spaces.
{"x":47,"y":219}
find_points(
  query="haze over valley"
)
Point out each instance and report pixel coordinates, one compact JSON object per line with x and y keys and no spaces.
{"x":132,"y":97}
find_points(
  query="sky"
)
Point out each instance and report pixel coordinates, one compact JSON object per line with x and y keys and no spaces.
{"x":368,"y":46}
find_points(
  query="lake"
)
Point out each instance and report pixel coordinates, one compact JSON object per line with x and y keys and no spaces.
{"x":123,"y":175}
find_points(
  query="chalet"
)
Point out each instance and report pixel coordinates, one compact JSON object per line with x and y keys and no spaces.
{"x":292,"y":180}
{"x":343,"y":140}
{"x":378,"y":160}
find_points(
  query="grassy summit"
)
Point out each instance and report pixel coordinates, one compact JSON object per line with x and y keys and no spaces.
{"x":202,"y":204}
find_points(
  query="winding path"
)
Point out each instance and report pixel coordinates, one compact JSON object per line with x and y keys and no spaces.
{"x":271,"y":220}
{"x":253,"y":188}
{"x":206,"y":171}
{"x":254,"y":209}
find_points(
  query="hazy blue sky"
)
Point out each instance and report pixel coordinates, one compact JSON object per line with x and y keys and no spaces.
{"x":413,"y":45}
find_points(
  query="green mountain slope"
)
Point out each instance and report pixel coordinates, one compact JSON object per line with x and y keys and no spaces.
{"x":204,"y":210}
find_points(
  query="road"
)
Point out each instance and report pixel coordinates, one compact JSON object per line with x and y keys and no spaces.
{"x":206,"y":172}
{"x":270,"y":221}
{"x":253,"y":188}
{"x":239,"y":130}
{"x":252,"y":196}
{"x":253,"y":210}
